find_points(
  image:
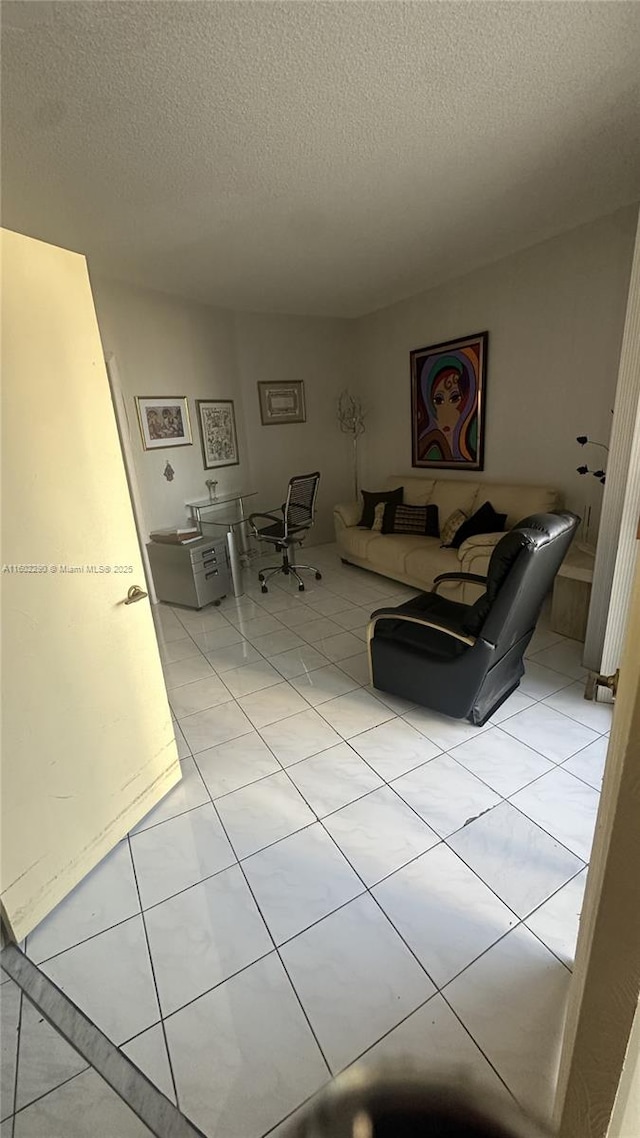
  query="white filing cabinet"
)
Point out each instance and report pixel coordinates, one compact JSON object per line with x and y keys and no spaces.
{"x":195,"y":575}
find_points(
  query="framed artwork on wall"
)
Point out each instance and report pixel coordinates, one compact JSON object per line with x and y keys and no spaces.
{"x":217,"y":422}
{"x":282,"y":402}
{"x":448,"y":386}
{"x":164,"y":421}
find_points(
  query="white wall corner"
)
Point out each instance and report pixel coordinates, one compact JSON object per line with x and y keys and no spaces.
{"x":617,"y":550}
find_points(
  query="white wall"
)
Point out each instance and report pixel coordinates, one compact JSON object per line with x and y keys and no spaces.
{"x":164,"y":345}
{"x":555,"y":315}
{"x":319,"y":351}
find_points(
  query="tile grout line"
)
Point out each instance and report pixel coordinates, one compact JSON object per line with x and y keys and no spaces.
{"x":275,"y":946}
{"x":579,"y":777}
{"x":64,"y":1083}
{"x":16,"y":1073}
{"x":360,"y":686}
{"x":269,"y":933}
{"x":391,"y":787}
{"x":213,"y":988}
{"x":267,"y":659}
{"x":337,"y":664}
{"x":366,"y":794}
{"x":320,"y":821}
{"x":548,"y":832}
{"x":300,"y":1105}
{"x":153,"y":972}
{"x":438,"y":990}
{"x":133,"y":1087}
{"x":393,"y":715}
{"x":368,"y":890}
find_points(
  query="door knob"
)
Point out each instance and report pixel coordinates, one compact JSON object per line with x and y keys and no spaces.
{"x":135,"y":594}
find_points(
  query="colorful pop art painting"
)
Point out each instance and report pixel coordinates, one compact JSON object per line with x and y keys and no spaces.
{"x":448,"y":384}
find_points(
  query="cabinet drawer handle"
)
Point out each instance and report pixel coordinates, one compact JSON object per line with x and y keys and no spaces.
{"x":214,"y":561}
{"x":213,"y":573}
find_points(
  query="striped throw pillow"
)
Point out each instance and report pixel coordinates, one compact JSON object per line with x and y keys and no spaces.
{"x":422,"y":520}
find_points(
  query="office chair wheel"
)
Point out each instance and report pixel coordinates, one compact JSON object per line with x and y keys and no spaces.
{"x":301,"y":588}
{"x":261,"y":577}
{"x":264,"y":589}
{"x":318,"y":576}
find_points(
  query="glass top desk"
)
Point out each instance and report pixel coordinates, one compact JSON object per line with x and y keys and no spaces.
{"x":233,"y":522}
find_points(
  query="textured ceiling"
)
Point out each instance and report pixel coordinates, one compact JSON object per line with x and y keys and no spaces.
{"x":323,"y":158}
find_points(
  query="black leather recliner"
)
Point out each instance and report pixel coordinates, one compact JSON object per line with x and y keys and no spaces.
{"x":465,"y":660}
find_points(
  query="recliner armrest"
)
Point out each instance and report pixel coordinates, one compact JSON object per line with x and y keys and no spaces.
{"x":396,"y":614}
{"x":348,"y":513}
{"x":471,"y":578}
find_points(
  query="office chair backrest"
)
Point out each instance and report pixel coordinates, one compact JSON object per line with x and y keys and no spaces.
{"x":521,"y":571}
{"x":300,"y":506}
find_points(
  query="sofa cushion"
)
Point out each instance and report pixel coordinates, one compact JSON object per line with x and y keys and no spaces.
{"x":419,"y":520}
{"x":426,"y":560}
{"x":357,"y":542}
{"x":417,"y":491}
{"x":371,"y":498}
{"x":391,"y":551}
{"x":485,"y":520}
{"x":449,"y":495}
{"x":517,"y":501}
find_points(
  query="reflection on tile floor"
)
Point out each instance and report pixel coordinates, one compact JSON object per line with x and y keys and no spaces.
{"x":339,"y":874}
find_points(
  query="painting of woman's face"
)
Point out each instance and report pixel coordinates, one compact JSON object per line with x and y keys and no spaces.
{"x":447,"y":393}
{"x":448,"y":401}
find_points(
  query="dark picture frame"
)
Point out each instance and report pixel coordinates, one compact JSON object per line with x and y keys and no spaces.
{"x":282,"y":402}
{"x":218,"y":434}
{"x":448,"y":403}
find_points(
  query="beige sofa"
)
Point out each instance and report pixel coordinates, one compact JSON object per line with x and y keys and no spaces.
{"x":417,"y":560}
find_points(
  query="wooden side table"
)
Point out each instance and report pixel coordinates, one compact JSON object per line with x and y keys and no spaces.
{"x":572,"y":594}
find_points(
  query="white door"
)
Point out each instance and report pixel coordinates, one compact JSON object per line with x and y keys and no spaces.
{"x":88,"y":744}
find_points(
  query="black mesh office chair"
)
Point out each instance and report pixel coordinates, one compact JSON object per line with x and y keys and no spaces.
{"x":465,"y":660}
{"x":291,"y":529}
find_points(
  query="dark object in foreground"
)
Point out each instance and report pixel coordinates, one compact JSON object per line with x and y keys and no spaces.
{"x":373,"y":1104}
{"x":465,"y":660}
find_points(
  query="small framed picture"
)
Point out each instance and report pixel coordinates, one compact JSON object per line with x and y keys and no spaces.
{"x":217,"y":422}
{"x":282,"y":402}
{"x":164,"y":421}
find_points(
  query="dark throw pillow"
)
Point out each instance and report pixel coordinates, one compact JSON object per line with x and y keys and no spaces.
{"x":422,"y":520}
{"x":485,"y":520}
{"x":370,"y":500}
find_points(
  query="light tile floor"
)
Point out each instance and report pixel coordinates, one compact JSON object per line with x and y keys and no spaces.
{"x":339,"y":875}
